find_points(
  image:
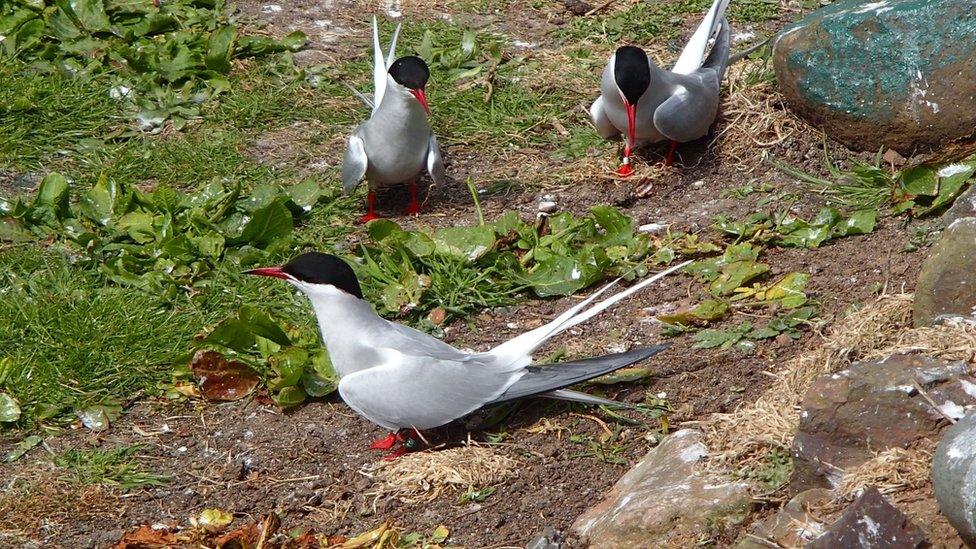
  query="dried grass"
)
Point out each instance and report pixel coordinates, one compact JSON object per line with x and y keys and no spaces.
{"x":45,"y":505}
{"x":746,"y":436}
{"x":423,"y":476}
{"x":755,"y":116}
{"x":890,"y":471}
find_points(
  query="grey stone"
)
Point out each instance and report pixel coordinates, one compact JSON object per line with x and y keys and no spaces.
{"x":895,"y":73}
{"x":869,"y":407}
{"x":946,"y":284}
{"x":870,"y":523}
{"x":964,"y":206}
{"x":548,"y":539}
{"x":954,"y":477}
{"x":792,"y":526}
{"x":665,"y":500}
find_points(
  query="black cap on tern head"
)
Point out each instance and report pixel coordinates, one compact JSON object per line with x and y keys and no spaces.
{"x":631,"y":72}
{"x":319,"y":268}
{"x":410,"y":71}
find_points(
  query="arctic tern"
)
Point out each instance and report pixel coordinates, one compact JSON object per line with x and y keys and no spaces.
{"x":396,"y":143}
{"x":647,"y":104}
{"x":405,"y":380}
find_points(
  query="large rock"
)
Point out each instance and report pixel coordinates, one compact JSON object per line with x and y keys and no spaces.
{"x":870,"y":523}
{"x":898,"y":73}
{"x":946,"y":285}
{"x":870,"y":407}
{"x":665,"y":500}
{"x":954,"y":477}
{"x":792,"y":526}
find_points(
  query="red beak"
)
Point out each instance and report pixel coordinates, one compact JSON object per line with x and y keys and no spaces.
{"x":422,"y":97}
{"x":631,"y":123}
{"x":274,"y":272}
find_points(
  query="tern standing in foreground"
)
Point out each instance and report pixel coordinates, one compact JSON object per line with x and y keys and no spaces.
{"x":647,"y":104}
{"x":396,"y":143}
{"x":405,"y":380}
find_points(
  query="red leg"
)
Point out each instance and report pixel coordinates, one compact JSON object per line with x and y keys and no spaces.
{"x":413,"y":207}
{"x":670,"y":156}
{"x":625,"y":168}
{"x":384,"y":443}
{"x":370,"y":208}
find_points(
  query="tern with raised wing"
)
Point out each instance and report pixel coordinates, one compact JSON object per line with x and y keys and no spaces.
{"x":405,"y":380}
{"x":396,"y":143}
{"x":646,"y":103}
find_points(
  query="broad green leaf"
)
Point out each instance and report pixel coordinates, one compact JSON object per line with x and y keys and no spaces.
{"x":290,"y":396}
{"x":233,"y":334}
{"x":306,"y":194}
{"x":618,"y":228}
{"x":735,"y":275}
{"x":266,"y":225}
{"x":709,"y":338}
{"x":317,"y":386}
{"x":289,"y":364}
{"x":98,"y":204}
{"x":919,"y":181}
{"x":165,"y":199}
{"x":53,"y":193}
{"x":261,"y":324}
{"x":788,"y":291}
{"x":860,"y":222}
{"x":295,"y":40}
{"x":220,"y":49}
{"x":706,"y":311}
{"x":90,"y":13}
{"x":560,"y":275}
{"x":9,"y":409}
{"x":468,"y":243}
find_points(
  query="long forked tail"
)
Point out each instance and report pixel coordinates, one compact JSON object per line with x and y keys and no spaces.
{"x":694,"y":51}
{"x":517,"y":351}
{"x":549,"y":380}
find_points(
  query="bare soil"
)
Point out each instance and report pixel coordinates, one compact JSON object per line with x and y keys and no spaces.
{"x":309,"y":464}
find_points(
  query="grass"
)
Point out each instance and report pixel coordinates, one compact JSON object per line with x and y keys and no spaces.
{"x":116,"y":467}
{"x":76,"y":340}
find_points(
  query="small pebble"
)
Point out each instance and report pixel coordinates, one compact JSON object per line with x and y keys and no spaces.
{"x":271,"y":8}
{"x":547,"y":206}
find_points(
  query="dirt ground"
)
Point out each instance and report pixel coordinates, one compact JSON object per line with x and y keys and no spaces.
{"x":313,"y":464}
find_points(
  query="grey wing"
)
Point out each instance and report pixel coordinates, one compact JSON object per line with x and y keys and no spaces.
{"x":416,"y":343}
{"x":422,"y":392}
{"x":601,"y":121}
{"x":691,"y":109}
{"x":354,"y":163}
{"x":435,"y":164}
{"x":718,"y":58}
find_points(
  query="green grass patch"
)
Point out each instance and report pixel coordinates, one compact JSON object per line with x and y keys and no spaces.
{"x":115,"y":467}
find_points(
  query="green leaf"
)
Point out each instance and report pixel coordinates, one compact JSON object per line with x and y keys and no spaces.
{"x":22,"y":448}
{"x":290,"y":396}
{"x":919,"y":181}
{"x":618,"y":228}
{"x":306,"y":194}
{"x":295,"y":40}
{"x":266,"y":225}
{"x":220,"y":49}
{"x":860,"y":222}
{"x":233,"y":334}
{"x":468,"y":243}
{"x":706,"y":311}
{"x":260,"y":324}
{"x":560,"y":275}
{"x":789,"y":290}
{"x":709,"y":338}
{"x":9,"y":409}
{"x":735,"y":275}
{"x":317,"y":386}
{"x":165,"y":199}
{"x":53,"y":193}
{"x":289,"y":364}
{"x":99,"y":417}
{"x":90,"y":13}
{"x":98,"y":204}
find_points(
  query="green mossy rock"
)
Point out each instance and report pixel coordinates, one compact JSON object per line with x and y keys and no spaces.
{"x":894,"y":73}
